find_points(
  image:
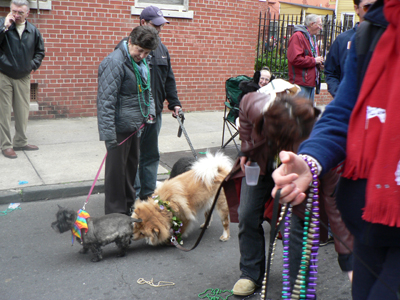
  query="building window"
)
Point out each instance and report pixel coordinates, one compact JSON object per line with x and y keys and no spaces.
{"x":43,"y":4}
{"x":348,"y":21}
{"x":170,"y":8}
{"x":34,"y":92}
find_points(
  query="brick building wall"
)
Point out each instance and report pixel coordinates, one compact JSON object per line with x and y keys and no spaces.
{"x":218,"y":43}
{"x":324,"y":97}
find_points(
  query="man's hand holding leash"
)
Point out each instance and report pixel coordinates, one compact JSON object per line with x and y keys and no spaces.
{"x":176,"y":110}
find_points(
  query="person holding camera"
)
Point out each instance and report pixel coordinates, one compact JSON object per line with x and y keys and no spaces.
{"x":304,"y":59}
{"x":21,"y":52}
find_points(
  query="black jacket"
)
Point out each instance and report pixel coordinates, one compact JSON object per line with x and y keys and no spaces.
{"x":163,"y":85}
{"x":119,"y":108}
{"x":18,"y":57}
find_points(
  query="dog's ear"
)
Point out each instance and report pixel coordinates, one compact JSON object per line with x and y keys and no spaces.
{"x":70,"y":215}
{"x":156,"y":232}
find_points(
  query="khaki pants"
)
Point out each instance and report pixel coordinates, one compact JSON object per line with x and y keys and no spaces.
{"x":15,"y":94}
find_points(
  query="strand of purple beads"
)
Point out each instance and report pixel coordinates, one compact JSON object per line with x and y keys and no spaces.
{"x":304,"y":288}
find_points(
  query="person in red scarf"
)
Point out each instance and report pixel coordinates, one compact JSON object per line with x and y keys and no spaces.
{"x":361,"y":126}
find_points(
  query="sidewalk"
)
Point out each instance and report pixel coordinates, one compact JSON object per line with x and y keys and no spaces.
{"x":70,"y":155}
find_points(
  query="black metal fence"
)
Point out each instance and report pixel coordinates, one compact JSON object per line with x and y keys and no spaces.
{"x":275,"y":31}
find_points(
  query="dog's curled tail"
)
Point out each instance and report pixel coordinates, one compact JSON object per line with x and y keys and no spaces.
{"x":211,"y":167}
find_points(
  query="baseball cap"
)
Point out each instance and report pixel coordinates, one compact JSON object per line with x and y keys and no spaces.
{"x":153,"y":14}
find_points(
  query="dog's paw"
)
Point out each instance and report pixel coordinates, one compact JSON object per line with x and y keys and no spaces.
{"x":202,"y":225}
{"x":96,"y":258}
{"x":224,"y":238}
{"x":121,"y":254}
{"x":84,"y":251}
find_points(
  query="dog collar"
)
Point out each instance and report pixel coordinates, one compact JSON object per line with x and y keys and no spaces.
{"x":176,"y":224}
{"x":79,"y":224}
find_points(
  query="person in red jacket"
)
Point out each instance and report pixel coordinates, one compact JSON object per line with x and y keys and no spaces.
{"x":304,"y":60}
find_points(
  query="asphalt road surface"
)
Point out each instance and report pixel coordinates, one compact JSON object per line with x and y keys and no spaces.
{"x":37,"y":263}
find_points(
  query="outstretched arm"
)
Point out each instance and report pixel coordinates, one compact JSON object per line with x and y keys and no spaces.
{"x":293,"y":176}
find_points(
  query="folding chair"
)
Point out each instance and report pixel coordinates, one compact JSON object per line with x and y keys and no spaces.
{"x":231,"y":112}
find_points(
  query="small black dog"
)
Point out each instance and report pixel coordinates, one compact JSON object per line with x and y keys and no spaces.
{"x":182,"y":165}
{"x":101,"y":231}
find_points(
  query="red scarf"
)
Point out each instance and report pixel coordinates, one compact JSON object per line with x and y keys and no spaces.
{"x":373,"y":143}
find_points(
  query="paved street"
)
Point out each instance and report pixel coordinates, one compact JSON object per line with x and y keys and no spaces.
{"x":38,"y":263}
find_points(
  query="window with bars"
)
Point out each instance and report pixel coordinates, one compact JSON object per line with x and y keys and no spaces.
{"x":348,"y":20}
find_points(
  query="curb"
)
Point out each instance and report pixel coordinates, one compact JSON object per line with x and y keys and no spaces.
{"x":49,"y":192}
{"x":54,"y":191}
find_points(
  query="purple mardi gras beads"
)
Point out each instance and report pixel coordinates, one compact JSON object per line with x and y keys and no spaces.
{"x":305,"y":284}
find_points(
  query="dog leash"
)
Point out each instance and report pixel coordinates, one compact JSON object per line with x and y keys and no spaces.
{"x":208,"y":219}
{"x":181,"y":119}
{"x":102,"y":163}
{"x":272,"y":238}
{"x":207,"y":222}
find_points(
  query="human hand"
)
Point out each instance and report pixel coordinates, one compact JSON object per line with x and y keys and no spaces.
{"x":112,"y":144}
{"x":293,"y":176}
{"x":9,"y":20}
{"x":150,"y":119}
{"x":350,"y":274}
{"x":319,"y":60}
{"x":243,"y":160}
{"x":175,"y":112}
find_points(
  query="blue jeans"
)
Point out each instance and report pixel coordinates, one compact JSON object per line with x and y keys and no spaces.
{"x":146,"y":177}
{"x":251,"y":233}
{"x":307,"y":92}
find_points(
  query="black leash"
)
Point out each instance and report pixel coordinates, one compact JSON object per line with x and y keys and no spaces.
{"x":181,"y":119}
{"x":207,"y":222}
{"x":272,"y":236}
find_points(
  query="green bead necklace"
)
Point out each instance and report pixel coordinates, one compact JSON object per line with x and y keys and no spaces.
{"x":142,"y":86}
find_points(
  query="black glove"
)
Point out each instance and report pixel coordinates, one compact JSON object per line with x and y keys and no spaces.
{"x":111,"y":144}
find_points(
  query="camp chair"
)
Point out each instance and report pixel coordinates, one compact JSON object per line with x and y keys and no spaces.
{"x":231,"y":112}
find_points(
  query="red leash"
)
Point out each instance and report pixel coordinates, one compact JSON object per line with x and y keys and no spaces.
{"x":101,"y":166}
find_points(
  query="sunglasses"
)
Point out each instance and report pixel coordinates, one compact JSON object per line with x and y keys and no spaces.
{"x":366,"y":7}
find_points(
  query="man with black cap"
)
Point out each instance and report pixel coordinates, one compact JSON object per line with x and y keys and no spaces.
{"x":163,"y":87}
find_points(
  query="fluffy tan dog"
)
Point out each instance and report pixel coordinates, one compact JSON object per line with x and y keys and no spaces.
{"x":177,"y":202}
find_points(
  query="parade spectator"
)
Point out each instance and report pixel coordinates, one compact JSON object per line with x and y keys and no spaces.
{"x":21,"y":52}
{"x":358,"y":127}
{"x":260,"y":78}
{"x":264,"y":127}
{"x":163,"y":87}
{"x":334,"y":64}
{"x":334,"y":71}
{"x":124,"y":104}
{"x":304,"y":60}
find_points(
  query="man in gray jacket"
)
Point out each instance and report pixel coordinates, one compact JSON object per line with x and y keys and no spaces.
{"x":21,"y":52}
{"x":163,"y":87}
{"x":124,"y":104}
